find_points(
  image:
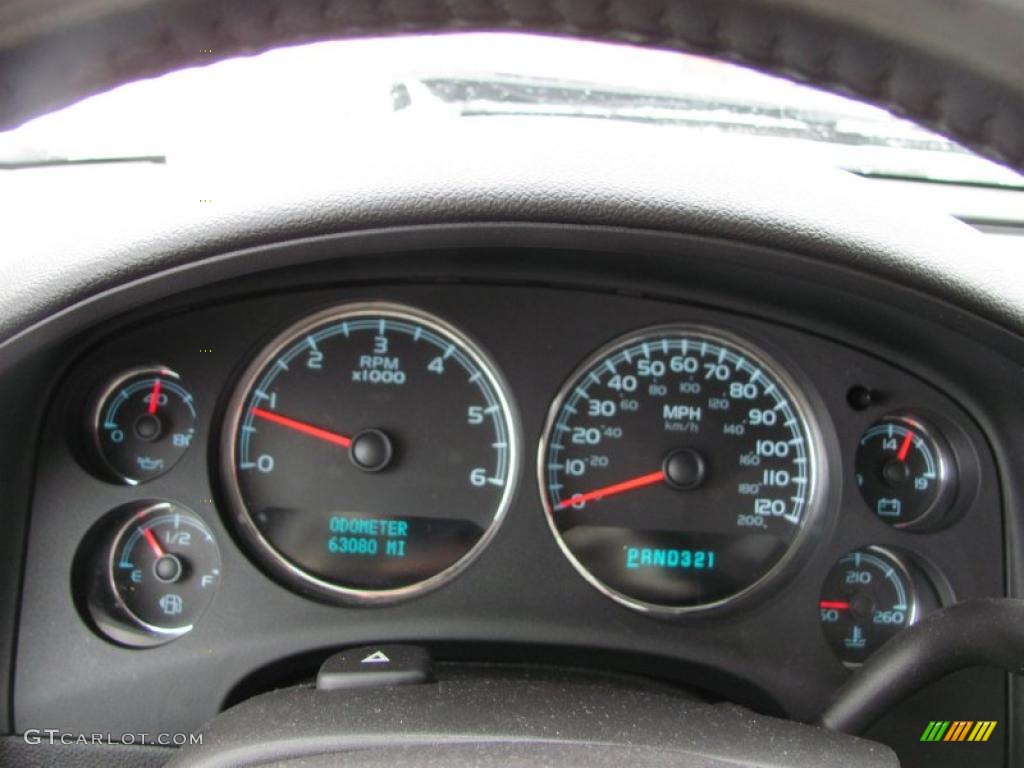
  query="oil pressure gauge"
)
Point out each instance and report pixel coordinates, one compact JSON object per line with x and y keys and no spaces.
{"x":153,"y":570}
{"x":142,"y":423}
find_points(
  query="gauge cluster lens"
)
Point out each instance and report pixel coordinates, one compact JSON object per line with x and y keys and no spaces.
{"x":868,"y":597}
{"x":370,"y":452}
{"x":153,"y":572}
{"x":679,"y":469}
{"x":905,"y":472}
{"x":143,"y":423}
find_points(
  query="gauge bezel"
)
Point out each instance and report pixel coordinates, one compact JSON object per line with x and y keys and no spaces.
{"x":910,"y":584}
{"x":110,"y":615}
{"x":95,"y":421}
{"x":947,"y":474}
{"x":265,"y":553}
{"x":818,"y":466}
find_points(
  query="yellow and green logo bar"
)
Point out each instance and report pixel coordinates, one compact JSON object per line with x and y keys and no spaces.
{"x":958,"y":730}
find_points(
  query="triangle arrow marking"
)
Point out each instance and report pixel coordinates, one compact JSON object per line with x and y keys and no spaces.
{"x":377,"y":657}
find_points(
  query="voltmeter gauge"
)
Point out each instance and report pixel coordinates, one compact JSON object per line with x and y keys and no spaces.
{"x":868,"y":597}
{"x":906,"y":472}
{"x":154,"y":572}
{"x":142,"y":423}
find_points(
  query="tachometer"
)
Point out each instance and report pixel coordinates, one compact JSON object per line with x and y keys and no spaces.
{"x":679,"y":469}
{"x":370,"y":453}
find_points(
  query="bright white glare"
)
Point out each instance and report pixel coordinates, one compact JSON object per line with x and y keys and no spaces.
{"x":289,"y":97}
{"x":306,"y":100}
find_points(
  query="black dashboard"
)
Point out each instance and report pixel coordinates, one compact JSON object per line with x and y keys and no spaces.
{"x":895,"y":508}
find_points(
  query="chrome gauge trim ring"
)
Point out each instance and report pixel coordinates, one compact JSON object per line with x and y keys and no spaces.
{"x":945,"y":468}
{"x":268,"y":555}
{"x":910,"y":589}
{"x":98,"y":412}
{"x":161,"y":634}
{"x":817,"y":480}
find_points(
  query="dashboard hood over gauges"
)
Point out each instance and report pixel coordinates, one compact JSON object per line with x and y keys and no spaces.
{"x":955,"y":68}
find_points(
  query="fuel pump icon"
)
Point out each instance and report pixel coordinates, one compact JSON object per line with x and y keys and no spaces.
{"x":171,"y":604}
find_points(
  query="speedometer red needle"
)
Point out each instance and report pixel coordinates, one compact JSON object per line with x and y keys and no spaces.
{"x":153,"y":544}
{"x":611,"y":490}
{"x":303,"y":427}
{"x":905,"y":446}
{"x":154,"y":397}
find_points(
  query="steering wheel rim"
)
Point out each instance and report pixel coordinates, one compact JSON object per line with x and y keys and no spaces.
{"x":952,"y":67}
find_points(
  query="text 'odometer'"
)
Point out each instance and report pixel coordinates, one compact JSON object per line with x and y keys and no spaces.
{"x":371,"y":452}
{"x":679,"y":468}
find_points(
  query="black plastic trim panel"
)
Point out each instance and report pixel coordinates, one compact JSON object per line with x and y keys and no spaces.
{"x":646,"y":274}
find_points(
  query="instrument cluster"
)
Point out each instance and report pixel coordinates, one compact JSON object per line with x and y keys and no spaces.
{"x":368,"y":451}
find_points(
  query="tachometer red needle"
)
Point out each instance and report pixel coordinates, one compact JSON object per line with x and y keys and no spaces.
{"x":154,"y":397}
{"x":303,"y":427}
{"x":838,"y":605}
{"x":611,"y":490}
{"x":153,"y":543}
{"x":905,"y":446}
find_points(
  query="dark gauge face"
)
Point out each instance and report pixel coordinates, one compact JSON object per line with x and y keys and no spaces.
{"x":679,"y":469}
{"x":160,"y":574}
{"x":370,"y":453}
{"x":904,"y":471}
{"x":868,"y":597}
{"x":142,"y":424}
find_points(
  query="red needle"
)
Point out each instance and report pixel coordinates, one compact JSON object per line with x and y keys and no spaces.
{"x":154,"y":397}
{"x":905,"y":446}
{"x":611,"y":490}
{"x":838,"y":605}
{"x":153,"y":543}
{"x":303,"y":427}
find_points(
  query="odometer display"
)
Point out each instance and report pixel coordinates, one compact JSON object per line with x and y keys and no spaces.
{"x":370,"y":453}
{"x":679,"y":469}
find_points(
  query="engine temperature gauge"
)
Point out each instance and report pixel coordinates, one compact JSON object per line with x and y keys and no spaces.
{"x":869,"y":596}
{"x":142,"y":424}
{"x":906,"y":473}
{"x":154,"y":573}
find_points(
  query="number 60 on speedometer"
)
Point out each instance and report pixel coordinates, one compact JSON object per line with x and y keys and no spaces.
{"x":680,"y":469}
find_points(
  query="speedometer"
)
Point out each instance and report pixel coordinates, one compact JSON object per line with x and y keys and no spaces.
{"x":370,"y":453}
{"x":679,"y":469}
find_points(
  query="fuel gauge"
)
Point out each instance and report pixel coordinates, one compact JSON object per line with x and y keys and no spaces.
{"x":142,"y":423}
{"x":153,"y":573}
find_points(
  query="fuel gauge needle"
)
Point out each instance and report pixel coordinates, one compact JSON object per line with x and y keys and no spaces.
{"x":147,"y":533}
